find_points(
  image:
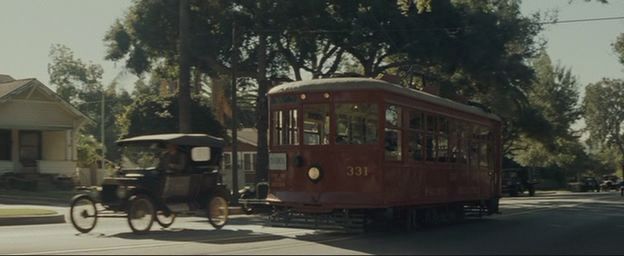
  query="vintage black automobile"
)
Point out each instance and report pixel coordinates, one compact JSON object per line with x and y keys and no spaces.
{"x":143,"y":189}
{"x":515,"y":181}
{"x":584,"y":184}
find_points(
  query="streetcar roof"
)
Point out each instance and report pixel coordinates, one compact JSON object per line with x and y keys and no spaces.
{"x":182,"y":139}
{"x":352,"y":83}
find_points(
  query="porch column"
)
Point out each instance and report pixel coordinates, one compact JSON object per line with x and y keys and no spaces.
{"x":69,"y":145}
{"x":15,"y":150}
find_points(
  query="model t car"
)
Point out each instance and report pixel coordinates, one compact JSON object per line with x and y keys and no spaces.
{"x":160,"y":176}
{"x":516,"y":181}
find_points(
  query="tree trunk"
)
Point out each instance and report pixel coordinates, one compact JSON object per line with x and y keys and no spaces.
{"x":184,"y":92}
{"x":262,"y":113}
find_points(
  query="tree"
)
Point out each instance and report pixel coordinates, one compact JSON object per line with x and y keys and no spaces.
{"x":604,"y":113}
{"x":151,"y":114}
{"x":554,"y":97}
{"x":618,"y":47}
{"x":555,"y":94}
{"x":452,"y":47}
{"x":80,"y":84}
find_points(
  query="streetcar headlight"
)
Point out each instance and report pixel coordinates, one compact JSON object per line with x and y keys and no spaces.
{"x":314,"y":173}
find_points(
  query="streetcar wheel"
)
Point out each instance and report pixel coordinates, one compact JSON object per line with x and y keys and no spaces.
{"x":218,"y":212}
{"x":141,"y":213}
{"x":83,"y":214}
{"x":163,"y":219}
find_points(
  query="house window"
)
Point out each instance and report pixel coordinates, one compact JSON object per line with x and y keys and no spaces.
{"x":5,"y":145}
{"x":227,"y":161}
{"x":249,"y":161}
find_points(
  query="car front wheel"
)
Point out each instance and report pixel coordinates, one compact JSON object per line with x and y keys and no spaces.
{"x":218,"y":212}
{"x":141,"y":213}
{"x":83,"y":213}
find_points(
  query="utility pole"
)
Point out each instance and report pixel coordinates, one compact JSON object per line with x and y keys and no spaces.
{"x":184,"y":91}
{"x":102,"y":128}
{"x":234,"y":118}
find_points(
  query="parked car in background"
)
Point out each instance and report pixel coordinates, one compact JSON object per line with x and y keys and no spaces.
{"x":585,"y":184}
{"x":609,"y":182}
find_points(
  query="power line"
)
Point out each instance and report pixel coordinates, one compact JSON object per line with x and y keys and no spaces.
{"x":451,"y":30}
{"x":581,"y":20}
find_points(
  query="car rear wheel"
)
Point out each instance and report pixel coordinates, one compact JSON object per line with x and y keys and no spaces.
{"x":141,"y":213}
{"x":83,"y":213}
{"x":218,"y":212}
{"x":163,"y":219}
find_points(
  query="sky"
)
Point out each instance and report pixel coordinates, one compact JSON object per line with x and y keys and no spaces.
{"x":29,"y":27}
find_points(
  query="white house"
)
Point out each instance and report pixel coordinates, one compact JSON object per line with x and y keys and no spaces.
{"x":38,"y":129}
{"x":247,"y":148}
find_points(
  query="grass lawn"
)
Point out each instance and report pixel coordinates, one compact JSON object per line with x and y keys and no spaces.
{"x":52,"y":194}
{"x":13,"y":212}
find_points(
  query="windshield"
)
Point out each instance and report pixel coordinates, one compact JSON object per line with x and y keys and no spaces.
{"x":140,"y":156}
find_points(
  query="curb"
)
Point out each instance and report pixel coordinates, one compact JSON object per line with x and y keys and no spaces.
{"x":32,"y":220}
{"x":34,"y":200}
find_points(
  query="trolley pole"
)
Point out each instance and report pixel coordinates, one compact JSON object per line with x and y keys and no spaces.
{"x":234,"y":118}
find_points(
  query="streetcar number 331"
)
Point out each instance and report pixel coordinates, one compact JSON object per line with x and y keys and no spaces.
{"x":357,"y":171}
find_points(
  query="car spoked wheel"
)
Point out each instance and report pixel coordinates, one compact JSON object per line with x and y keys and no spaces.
{"x":83,"y":213}
{"x":141,"y":213}
{"x":218,"y":212}
{"x":165,"y":218}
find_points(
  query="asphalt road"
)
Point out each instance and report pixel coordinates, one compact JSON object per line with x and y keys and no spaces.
{"x":565,"y":223}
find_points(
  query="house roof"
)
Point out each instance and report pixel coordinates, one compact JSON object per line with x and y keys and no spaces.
{"x":10,"y":87}
{"x":6,"y":78}
{"x":347,"y":84}
{"x":247,"y":135}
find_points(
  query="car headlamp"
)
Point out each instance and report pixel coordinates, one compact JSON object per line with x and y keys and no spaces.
{"x":314,"y":173}
{"x":121,"y":192}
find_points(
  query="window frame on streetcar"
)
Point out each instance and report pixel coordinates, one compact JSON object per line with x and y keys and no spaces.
{"x":397,"y":128}
{"x":374,"y":114}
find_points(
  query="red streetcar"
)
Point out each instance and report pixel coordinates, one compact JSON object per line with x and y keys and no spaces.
{"x":352,"y":149}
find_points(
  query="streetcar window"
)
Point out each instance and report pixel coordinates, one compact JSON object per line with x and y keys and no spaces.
{"x":490,"y":154}
{"x":285,"y":127}
{"x":442,"y":139}
{"x":430,"y":144}
{"x":431,"y":140}
{"x":416,"y":120}
{"x":474,"y":152}
{"x":431,"y":123}
{"x":463,"y":153}
{"x":316,"y":124}
{"x":286,"y":99}
{"x":356,"y":123}
{"x":392,"y":136}
{"x":483,"y":155}
{"x":453,"y":143}
{"x":415,"y":145}
{"x":442,"y":148}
